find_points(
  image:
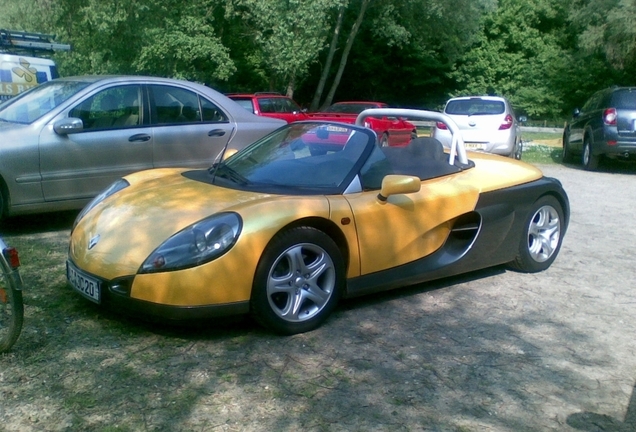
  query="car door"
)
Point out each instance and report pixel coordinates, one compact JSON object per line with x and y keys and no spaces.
{"x":407,"y":227}
{"x":580,"y":122}
{"x":399,"y":131}
{"x":114,"y":142}
{"x":189,"y":130}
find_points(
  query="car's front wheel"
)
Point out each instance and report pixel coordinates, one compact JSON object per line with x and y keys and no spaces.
{"x":298,"y":281}
{"x":542,"y":236}
{"x":590,"y":161}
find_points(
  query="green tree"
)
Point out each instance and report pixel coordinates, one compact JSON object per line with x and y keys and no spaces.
{"x":287,"y":36}
{"x":167,"y":38}
{"x":402,"y":49}
{"x":521,"y":53}
{"x":607,"y":26}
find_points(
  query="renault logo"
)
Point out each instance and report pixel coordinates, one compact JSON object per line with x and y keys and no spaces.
{"x":93,"y":241}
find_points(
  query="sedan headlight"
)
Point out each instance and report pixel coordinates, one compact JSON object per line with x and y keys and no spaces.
{"x":199,"y":243}
{"x":110,"y":190}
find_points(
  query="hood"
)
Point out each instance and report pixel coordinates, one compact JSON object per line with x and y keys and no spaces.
{"x":131,"y":224}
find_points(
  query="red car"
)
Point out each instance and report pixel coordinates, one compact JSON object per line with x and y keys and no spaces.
{"x":272,"y":105}
{"x":391,"y":131}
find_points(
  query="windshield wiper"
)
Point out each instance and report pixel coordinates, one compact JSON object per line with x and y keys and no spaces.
{"x":222,"y":170}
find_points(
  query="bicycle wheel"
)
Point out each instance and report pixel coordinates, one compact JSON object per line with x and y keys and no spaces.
{"x":11,"y":306}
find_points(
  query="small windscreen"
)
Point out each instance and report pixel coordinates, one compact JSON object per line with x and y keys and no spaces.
{"x":475,"y":107}
{"x":349,"y":108}
{"x":625,"y":99}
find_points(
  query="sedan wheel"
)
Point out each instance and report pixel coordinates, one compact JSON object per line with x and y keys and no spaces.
{"x":542,"y":236}
{"x":384,"y":140}
{"x":299,"y":281}
{"x":590,"y":161}
{"x":518,"y":150}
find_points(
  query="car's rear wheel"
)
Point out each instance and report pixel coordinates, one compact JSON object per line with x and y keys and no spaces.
{"x":298,"y":281}
{"x":542,"y":236}
{"x":518,"y":150}
{"x":384,"y":140}
{"x":590,"y":161}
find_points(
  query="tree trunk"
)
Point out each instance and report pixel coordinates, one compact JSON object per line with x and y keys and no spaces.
{"x":325,"y":71}
{"x":345,"y":54}
{"x":291,"y":86}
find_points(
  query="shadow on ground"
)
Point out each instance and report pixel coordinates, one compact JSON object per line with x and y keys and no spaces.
{"x":593,"y":422}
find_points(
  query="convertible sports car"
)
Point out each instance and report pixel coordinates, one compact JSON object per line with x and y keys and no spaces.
{"x":278,"y":232}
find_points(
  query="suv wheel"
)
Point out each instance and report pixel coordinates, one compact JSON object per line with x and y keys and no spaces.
{"x":590,"y":161}
{"x":567,"y":154}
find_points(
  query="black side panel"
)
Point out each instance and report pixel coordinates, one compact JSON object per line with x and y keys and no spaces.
{"x":501,"y":216}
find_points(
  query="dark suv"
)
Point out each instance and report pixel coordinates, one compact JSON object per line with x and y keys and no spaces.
{"x":604,"y":127}
{"x":272,"y":105}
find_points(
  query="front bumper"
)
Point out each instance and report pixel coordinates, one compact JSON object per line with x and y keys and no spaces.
{"x":115,"y":295}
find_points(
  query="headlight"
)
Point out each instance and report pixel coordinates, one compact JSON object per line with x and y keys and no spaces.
{"x":199,"y":243}
{"x":110,"y":190}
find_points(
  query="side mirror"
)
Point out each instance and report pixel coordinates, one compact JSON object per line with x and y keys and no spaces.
{"x":398,"y":184}
{"x":68,"y":125}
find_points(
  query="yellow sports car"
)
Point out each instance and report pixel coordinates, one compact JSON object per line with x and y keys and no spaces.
{"x":283,"y":232}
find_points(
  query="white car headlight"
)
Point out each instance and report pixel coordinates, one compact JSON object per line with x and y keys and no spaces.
{"x":199,"y":243}
{"x":110,"y":190}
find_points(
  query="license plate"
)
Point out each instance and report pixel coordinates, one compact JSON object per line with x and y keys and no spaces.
{"x":337,"y":129}
{"x":88,"y":286}
{"x":473,"y":146}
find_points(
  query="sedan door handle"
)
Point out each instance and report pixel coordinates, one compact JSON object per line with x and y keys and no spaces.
{"x":139,"y":137}
{"x":216,"y":132}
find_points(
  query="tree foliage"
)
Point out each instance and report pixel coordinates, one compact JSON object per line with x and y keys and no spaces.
{"x":546,"y":56}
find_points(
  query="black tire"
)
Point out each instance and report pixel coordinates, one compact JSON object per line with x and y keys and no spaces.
{"x":11,"y":314}
{"x":518,"y":150}
{"x":299,"y":281}
{"x":589,"y":160}
{"x":542,"y":236}
{"x":567,"y":154}
{"x":384,"y":140}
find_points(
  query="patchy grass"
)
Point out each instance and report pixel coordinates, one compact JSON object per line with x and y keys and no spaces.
{"x":542,"y":154}
{"x":542,"y":147}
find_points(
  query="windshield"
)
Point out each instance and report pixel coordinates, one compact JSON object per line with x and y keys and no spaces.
{"x":624,"y":99}
{"x":475,"y":106}
{"x":314,"y":156}
{"x":33,"y":104}
{"x":350,"y":108}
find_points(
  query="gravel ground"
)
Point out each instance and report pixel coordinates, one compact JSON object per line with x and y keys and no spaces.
{"x":494,"y":350}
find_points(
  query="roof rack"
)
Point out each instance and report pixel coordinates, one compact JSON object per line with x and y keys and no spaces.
{"x":22,"y":42}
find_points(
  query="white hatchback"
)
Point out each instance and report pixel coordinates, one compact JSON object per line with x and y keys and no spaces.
{"x":487,"y":124}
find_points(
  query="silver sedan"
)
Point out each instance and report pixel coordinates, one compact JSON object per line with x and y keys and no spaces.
{"x":66,"y":140}
{"x":487,"y":124}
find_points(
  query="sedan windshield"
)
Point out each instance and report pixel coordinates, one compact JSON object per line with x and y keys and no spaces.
{"x":350,"y":108}
{"x":307,"y":155}
{"x":475,"y":106}
{"x":33,"y":104}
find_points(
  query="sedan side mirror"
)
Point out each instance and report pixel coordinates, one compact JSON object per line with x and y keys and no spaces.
{"x":398,"y":184}
{"x":68,"y":125}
